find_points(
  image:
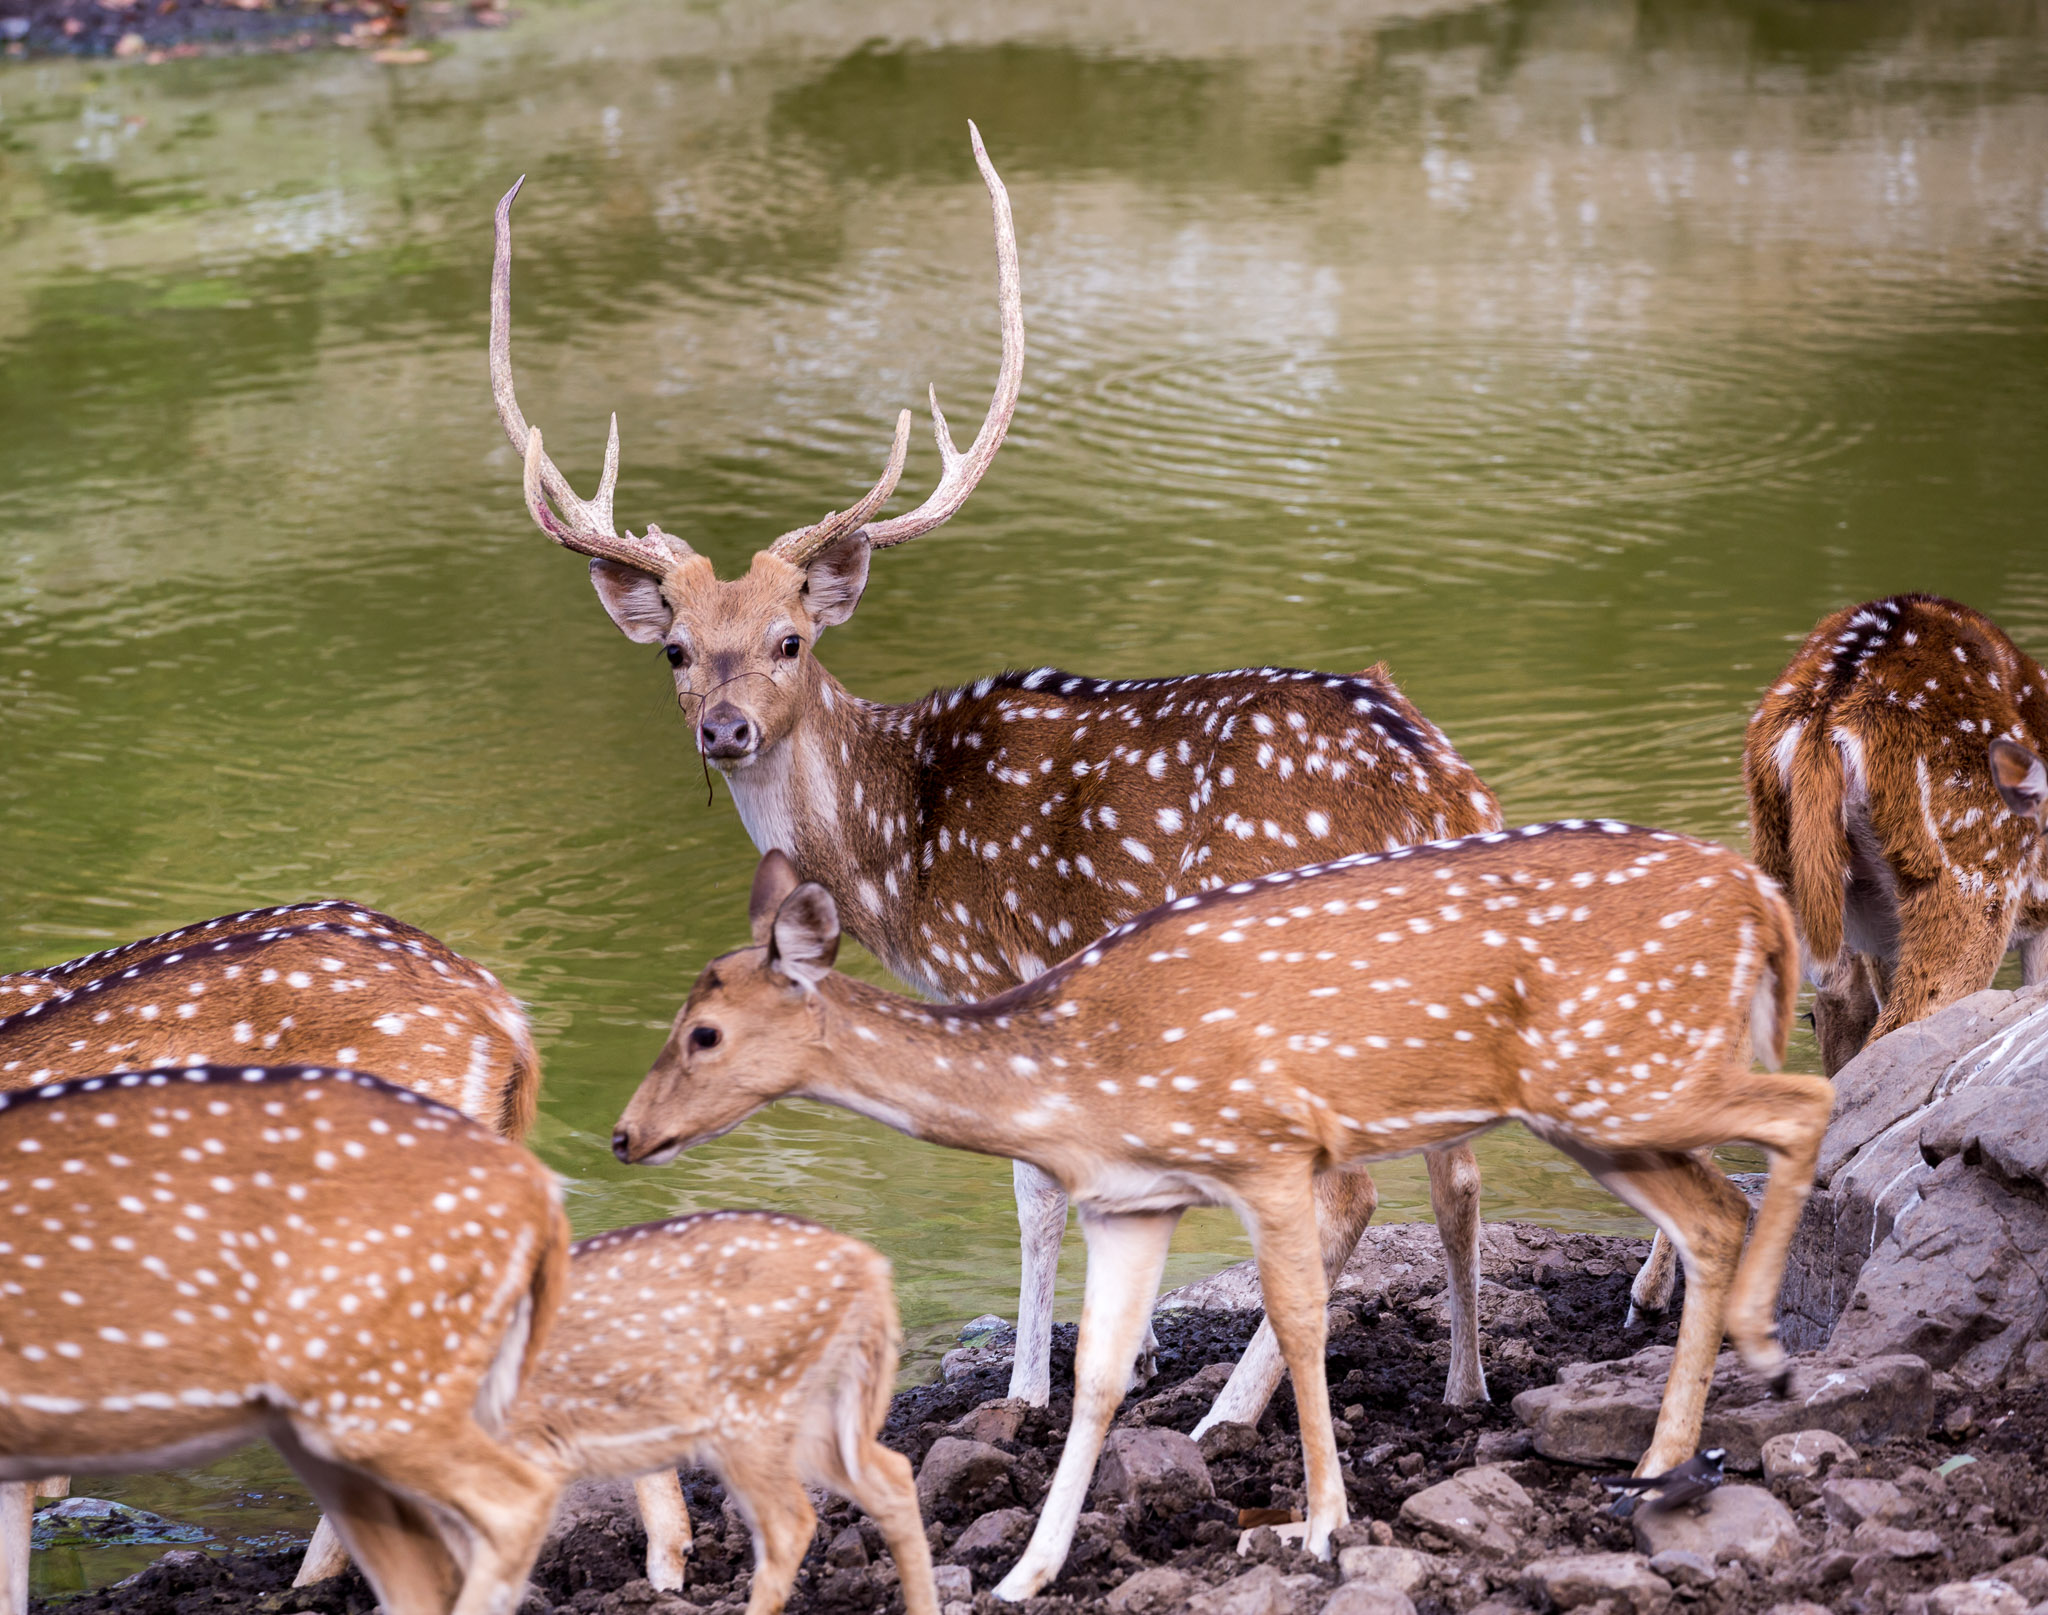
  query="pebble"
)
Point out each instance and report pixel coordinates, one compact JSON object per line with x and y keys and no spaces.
{"x":1804,"y":1454}
{"x":1368,"y":1598}
{"x":1403,"y":1569}
{"x":1733,"y":1522}
{"x":1624,"y":1580}
{"x":1984,"y":1596}
{"x":1151,"y":1592}
{"x":1481,"y":1509}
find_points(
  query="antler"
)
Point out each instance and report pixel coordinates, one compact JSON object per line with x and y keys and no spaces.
{"x":584,"y":526}
{"x":960,"y":472}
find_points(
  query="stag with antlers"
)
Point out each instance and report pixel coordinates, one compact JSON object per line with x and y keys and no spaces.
{"x":972,"y":838}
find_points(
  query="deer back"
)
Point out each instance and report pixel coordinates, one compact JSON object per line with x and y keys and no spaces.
{"x":188,"y":1254}
{"x":311,"y":984}
{"x":676,"y":1338}
{"x":1050,"y":807}
{"x":1872,"y":749}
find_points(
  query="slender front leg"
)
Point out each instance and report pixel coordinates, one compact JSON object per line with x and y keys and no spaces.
{"x":17,"y":1517}
{"x":1126,"y":1255}
{"x":1041,"y":1224}
{"x":1650,"y":1295}
{"x":1291,"y":1280}
{"x":1345,"y":1202}
{"x":1454,"y":1197}
{"x":667,"y":1518}
{"x":325,"y":1555}
{"x":1798,"y":1119}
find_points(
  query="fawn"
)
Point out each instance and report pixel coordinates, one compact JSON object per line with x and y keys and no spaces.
{"x":1604,"y":985}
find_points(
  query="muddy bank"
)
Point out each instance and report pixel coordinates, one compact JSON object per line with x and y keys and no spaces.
{"x":1868,"y":1530}
{"x":401,"y":32}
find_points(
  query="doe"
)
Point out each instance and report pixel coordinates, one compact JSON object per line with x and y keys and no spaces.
{"x":196,"y":1258}
{"x":973,"y":837}
{"x":1604,"y":985}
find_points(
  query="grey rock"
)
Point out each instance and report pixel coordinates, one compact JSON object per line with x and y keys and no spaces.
{"x":1157,"y":1470}
{"x":1682,"y":1567}
{"x":1745,"y":1523}
{"x":1227,"y":1440}
{"x":964,"y":1476}
{"x":1259,"y":1591}
{"x":999,"y":1530}
{"x":1151,"y":1592}
{"x":847,"y":1551}
{"x":1403,"y":1569}
{"x":1604,"y":1413}
{"x":1849,"y":1501}
{"x":1198,"y":1390}
{"x":1500,"y":1308}
{"x":1874,"y":1539}
{"x":1799,"y":1606}
{"x":1987,"y":1595}
{"x":1481,"y":1509}
{"x":1625,"y":1580}
{"x":953,"y":1582}
{"x":1504,"y":1446}
{"x":2028,"y":1577}
{"x":1804,"y":1454}
{"x":992,"y":1421}
{"x":979,"y":1329}
{"x":1368,"y":1598}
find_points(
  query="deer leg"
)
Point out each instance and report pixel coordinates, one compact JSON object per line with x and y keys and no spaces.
{"x":783,"y":1523}
{"x":1126,"y":1256}
{"x":1797,"y":1119}
{"x":1948,"y":949}
{"x":401,"y":1552}
{"x":885,"y":1489}
{"x":2033,"y":958}
{"x":325,"y":1555}
{"x":1845,"y":1007}
{"x":1345,"y":1202}
{"x":1650,"y":1295}
{"x":17,"y":1519}
{"x":667,"y":1518}
{"x":1291,"y":1282}
{"x":1041,"y":1224}
{"x":1454,"y":1198}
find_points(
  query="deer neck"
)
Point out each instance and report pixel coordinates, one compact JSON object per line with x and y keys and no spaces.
{"x":838,"y":795}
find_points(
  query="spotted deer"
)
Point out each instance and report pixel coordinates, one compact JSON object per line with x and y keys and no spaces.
{"x":973,"y":837}
{"x":1604,"y":985}
{"x":198,"y":1257}
{"x":307,"y":983}
{"x":1895,"y":791}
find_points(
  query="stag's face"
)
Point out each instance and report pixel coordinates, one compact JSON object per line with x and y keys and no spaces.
{"x":740,"y":650}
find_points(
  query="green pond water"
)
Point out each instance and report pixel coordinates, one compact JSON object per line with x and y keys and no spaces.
{"x":1571,"y":357}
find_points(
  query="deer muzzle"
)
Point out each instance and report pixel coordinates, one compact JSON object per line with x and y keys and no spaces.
{"x":727,"y":735}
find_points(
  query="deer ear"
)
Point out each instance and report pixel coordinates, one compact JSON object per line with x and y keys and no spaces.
{"x":2020,"y":777}
{"x":834,"y":581}
{"x":633,"y":599}
{"x":805,"y":939}
{"x":774,"y":879}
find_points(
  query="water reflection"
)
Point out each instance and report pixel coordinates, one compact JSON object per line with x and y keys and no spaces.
{"x":1571,"y":358}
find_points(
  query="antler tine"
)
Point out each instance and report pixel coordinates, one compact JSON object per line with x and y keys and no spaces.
{"x":805,"y":544}
{"x":584,"y":526}
{"x":961,"y":471}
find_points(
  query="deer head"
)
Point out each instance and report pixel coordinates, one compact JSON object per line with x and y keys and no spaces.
{"x":707,"y":1081}
{"x":2021,"y":779}
{"x":741,"y":649}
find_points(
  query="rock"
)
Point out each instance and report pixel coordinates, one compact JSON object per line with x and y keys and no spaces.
{"x":1799,"y":1606}
{"x":1851,"y":1501}
{"x":1368,"y":1598}
{"x":1481,"y":1509}
{"x":1625,"y":1580}
{"x":1197,"y":1391}
{"x":1227,"y":1441}
{"x":1161,"y":1471}
{"x":1604,"y":1413}
{"x":1986,"y":1596}
{"x":1504,"y":1446}
{"x":1731,"y":1522}
{"x":1259,"y":1591}
{"x":962,"y":1478}
{"x":2028,"y":1577}
{"x":847,"y":1551}
{"x":954,"y":1582}
{"x":999,"y":1531}
{"x":1269,"y":1539}
{"x":976,"y":1330}
{"x":1682,"y":1567}
{"x":1151,"y":1592}
{"x":1804,"y":1454}
{"x":992,"y":1421}
{"x":1889,"y":1542}
{"x":1403,"y":1569}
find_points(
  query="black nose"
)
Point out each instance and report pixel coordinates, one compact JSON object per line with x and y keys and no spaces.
{"x":725,"y":732}
{"x":622,"y":1146}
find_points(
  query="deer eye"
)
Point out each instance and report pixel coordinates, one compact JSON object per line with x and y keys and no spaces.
{"x":792,"y":647}
{"x":675,"y":655}
{"x":703,"y":1037}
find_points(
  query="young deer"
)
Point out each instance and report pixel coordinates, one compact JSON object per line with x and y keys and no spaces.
{"x":198,"y":1257}
{"x":311,"y":983}
{"x":1603,"y":985}
{"x":1895,"y":791}
{"x":971,"y":838}
{"x":761,"y":1344}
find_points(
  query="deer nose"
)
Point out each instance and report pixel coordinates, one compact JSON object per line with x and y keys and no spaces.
{"x":622,"y":1146}
{"x":725,"y":732}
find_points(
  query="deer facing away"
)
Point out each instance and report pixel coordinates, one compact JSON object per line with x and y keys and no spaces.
{"x":971,"y":838}
{"x":305,"y":984}
{"x":195,"y":1258}
{"x":1603,"y":985}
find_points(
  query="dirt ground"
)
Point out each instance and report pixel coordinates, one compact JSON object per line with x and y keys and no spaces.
{"x":1386,"y":1365}
{"x":398,"y":31}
